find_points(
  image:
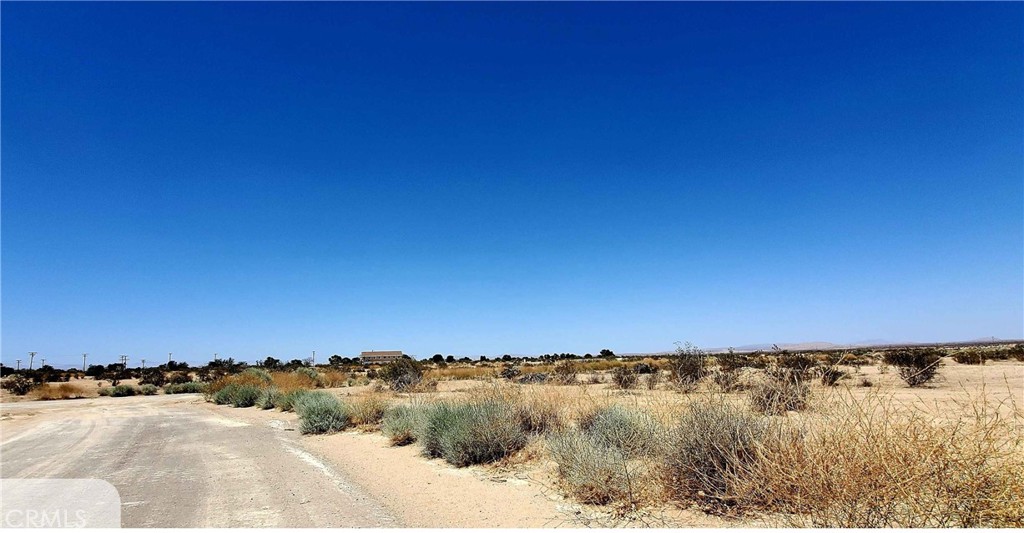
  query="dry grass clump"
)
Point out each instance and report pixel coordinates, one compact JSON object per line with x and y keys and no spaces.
{"x":598,"y":365}
{"x":62,"y":391}
{"x":868,"y":464}
{"x":610,"y":457}
{"x":332,"y":379}
{"x":291,"y":381}
{"x":368,"y":410}
{"x":460,"y":372}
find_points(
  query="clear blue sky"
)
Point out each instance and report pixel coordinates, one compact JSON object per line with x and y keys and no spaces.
{"x":268,"y":178}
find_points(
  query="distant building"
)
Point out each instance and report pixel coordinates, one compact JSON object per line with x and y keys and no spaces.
{"x":385,"y":356}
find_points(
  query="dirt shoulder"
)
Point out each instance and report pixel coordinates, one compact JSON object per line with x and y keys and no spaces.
{"x":429,"y":493}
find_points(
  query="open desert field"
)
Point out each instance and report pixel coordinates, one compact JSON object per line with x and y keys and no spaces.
{"x":468,"y":448}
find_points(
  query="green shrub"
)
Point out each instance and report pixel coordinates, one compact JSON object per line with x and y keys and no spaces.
{"x":263,"y":375}
{"x":633,"y":433}
{"x":402,"y":423}
{"x":321,"y":412}
{"x":266,"y":398}
{"x":189,"y":387}
{"x":472,"y":432}
{"x":285,"y":401}
{"x":123,"y":390}
{"x":401,"y":374}
{"x":308,"y":372}
{"x":596,"y":474}
{"x":153,"y":376}
{"x":916,"y":366}
{"x":105,"y":391}
{"x":611,"y":458}
{"x":969,"y":356}
{"x":1017,"y":352}
{"x":237,"y":395}
{"x":713,"y":443}
{"x":148,"y":389}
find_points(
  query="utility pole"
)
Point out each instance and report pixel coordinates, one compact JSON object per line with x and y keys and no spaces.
{"x":19,"y":364}
{"x":31,"y":357}
{"x":44,"y":361}
{"x":314,"y":357}
{"x":169,"y":358}
{"x":84,"y":355}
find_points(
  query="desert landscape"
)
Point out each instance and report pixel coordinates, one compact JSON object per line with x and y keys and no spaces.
{"x":690,"y":439}
{"x":512,"y":264}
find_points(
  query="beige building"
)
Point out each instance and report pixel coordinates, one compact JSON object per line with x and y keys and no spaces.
{"x":385,"y":356}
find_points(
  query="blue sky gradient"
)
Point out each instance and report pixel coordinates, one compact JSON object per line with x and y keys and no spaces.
{"x":269,"y":178}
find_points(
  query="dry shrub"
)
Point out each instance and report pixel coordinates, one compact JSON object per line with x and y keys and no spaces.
{"x":368,"y":410}
{"x":651,"y":380}
{"x":565,"y":373}
{"x":245,"y":379}
{"x":727,"y":381}
{"x":63,"y":391}
{"x":916,"y":366}
{"x":538,"y":411}
{"x":778,"y":392}
{"x":625,"y":377}
{"x":713,"y":444}
{"x":687,"y":367}
{"x":830,"y":375}
{"x":867,"y":464}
